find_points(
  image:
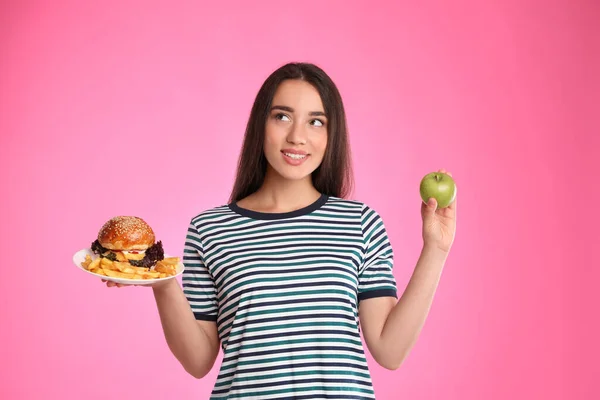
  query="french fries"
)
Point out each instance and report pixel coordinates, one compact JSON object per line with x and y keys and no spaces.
{"x":122,"y":269}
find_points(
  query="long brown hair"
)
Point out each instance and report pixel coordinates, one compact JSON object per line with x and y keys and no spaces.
{"x":334,"y":176}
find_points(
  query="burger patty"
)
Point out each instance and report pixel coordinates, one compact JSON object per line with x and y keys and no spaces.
{"x":152,"y":255}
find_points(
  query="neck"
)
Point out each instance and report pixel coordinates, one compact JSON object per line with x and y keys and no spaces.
{"x":278,"y":194}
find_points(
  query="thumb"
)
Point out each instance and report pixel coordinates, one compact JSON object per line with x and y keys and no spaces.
{"x":431,"y":205}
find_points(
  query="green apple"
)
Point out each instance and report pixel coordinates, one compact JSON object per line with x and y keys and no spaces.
{"x":440,"y":186}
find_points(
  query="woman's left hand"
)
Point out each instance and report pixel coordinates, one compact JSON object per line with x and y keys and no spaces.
{"x":439,"y":224}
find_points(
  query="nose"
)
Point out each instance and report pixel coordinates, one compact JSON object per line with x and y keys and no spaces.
{"x":296,"y":134}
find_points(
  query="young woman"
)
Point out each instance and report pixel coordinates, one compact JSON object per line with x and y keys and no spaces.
{"x":285,"y":275}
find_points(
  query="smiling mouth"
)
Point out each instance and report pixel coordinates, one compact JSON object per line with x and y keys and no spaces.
{"x":295,"y":156}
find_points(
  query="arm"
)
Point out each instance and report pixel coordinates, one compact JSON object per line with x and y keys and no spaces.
{"x":391,"y":328}
{"x":194,"y":343}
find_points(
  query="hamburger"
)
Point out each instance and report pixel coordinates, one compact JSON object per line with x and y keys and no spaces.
{"x":128,"y":239}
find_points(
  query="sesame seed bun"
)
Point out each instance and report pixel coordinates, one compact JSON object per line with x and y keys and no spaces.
{"x":126,"y":233}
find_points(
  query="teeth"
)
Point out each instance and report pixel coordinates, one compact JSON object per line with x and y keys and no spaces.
{"x":295,"y":156}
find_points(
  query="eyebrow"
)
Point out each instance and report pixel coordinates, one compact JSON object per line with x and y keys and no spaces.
{"x":290,"y":109}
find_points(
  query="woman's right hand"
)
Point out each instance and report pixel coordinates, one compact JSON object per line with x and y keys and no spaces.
{"x":115,"y":284}
{"x":120,"y":285}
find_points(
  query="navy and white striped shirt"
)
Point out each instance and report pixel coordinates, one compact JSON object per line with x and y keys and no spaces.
{"x":284,"y":290}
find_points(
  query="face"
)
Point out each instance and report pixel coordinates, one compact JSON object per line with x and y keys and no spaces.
{"x":296,"y":131}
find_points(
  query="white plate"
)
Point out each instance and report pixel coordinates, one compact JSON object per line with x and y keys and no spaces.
{"x":79,"y":257}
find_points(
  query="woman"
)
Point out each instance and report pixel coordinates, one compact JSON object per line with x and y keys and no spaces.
{"x":285,"y":275}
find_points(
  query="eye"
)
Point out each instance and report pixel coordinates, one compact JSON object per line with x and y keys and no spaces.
{"x":317,"y":122}
{"x":282,"y":117}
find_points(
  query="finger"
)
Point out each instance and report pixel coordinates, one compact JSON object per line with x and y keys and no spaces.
{"x":452,"y":206}
{"x":431,"y":205}
{"x":443,"y":171}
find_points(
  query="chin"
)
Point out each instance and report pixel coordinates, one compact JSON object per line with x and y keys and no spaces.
{"x":296,"y":177}
{"x":290,"y":173}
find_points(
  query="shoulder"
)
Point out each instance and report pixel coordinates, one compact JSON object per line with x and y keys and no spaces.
{"x":357,"y":206}
{"x":337,"y":203}
{"x":364,"y":215}
{"x":211,"y":216}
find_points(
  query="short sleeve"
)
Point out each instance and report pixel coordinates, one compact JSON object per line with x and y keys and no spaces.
{"x":375,"y":277}
{"x":198,"y":285}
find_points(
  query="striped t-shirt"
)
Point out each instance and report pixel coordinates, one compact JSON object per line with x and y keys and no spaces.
{"x":284,"y":290}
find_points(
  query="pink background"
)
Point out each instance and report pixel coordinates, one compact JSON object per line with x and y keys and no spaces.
{"x":139,"y":108}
